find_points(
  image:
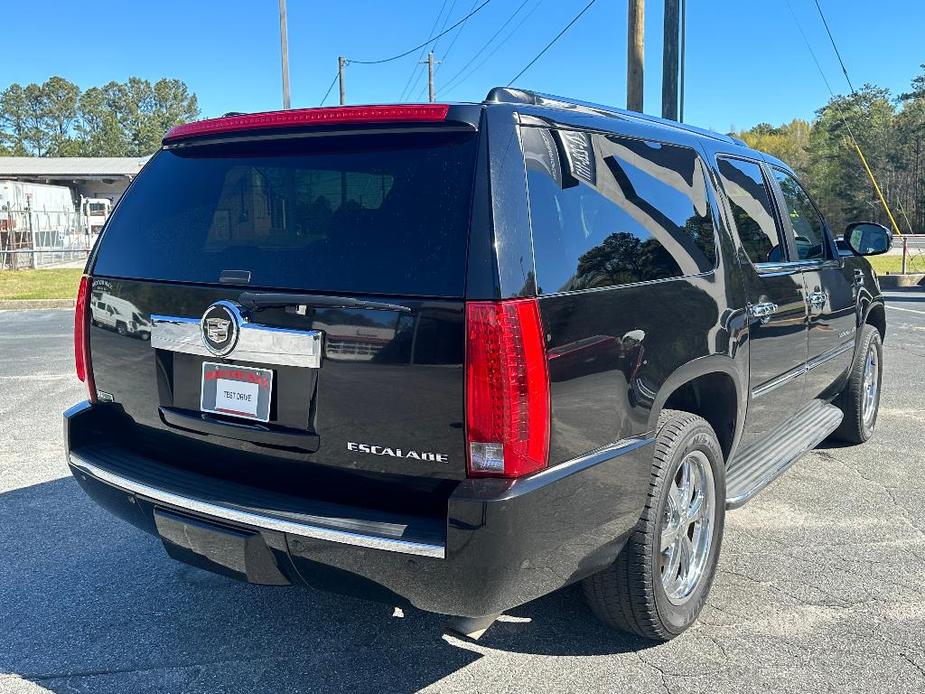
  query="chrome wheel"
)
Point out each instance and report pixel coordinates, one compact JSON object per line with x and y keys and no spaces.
{"x":687,"y":527}
{"x":871,"y":386}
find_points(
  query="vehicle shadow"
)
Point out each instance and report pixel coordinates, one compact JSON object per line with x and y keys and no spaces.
{"x":91,"y":603}
{"x":828,"y":444}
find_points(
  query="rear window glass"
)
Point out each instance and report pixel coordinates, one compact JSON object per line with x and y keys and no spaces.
{"x":607,"y":210}
{"x":367,"y":215}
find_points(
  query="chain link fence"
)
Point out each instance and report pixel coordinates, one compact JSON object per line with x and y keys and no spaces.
{"x":42,"y":238}
{"x":912,"y":247}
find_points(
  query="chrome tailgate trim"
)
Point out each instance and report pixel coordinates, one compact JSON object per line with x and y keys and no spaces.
{"x":261,"y":344}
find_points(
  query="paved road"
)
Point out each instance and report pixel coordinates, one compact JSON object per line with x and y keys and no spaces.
{"x":820,"y":586}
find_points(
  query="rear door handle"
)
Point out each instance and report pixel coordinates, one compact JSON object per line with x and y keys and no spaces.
{"x":763,"y":311}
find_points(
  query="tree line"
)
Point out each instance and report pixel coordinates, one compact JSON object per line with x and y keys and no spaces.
{"x":118,"y":119}
{"x":890,"y":131}
{"x":129,"y":118}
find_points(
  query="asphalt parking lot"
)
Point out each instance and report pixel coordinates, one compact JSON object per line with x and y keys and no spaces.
{"x":821,"y":585}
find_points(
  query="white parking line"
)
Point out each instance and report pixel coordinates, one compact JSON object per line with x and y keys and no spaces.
{"x":910,"y":310}
{"x":50,"y":336}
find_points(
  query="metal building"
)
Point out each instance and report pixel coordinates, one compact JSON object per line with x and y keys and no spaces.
{"x":88,"y":177}
{"x":51,"y":208}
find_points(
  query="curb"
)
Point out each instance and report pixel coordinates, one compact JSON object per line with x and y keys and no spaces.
{"x":897,"y":281}
{"x":26,"y":304}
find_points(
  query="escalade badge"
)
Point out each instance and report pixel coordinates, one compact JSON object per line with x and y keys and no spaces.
{"x":219,"y":326}
{"x":372,"y":449}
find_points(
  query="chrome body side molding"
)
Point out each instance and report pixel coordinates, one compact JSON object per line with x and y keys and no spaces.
{"x":819,"y":360}
{"x":589,"y":459}
{"x":830,"y":355}
{"x":784,"y":378}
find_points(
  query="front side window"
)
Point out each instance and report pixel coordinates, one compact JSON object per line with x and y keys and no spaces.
{"x":607,"y":210}
{"x":752,"y":210}
{"x":808,"y":225}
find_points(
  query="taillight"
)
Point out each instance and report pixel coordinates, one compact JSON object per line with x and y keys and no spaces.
{"x":507,"y":389}
{"x":82,"y":337}
{"x":302,"y":117}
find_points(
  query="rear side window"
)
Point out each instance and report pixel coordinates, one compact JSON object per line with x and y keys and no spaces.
{"x":752,"y":211}
{"x":608,"y":211}
{"x":367,"y":215}
{"x":808,"y":225}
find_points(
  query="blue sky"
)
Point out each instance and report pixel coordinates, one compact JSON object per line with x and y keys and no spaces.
{"x":746,"y":60}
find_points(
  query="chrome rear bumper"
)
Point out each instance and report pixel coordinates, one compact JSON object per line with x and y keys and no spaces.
{"x":248,"y":517}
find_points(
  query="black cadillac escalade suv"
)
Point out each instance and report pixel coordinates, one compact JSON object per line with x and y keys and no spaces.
{"x":459,"y":356}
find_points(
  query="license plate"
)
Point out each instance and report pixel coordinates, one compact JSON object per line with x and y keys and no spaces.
{"x":236,"y":391}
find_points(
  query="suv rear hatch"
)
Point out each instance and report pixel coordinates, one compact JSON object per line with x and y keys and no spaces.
{"x":342,"y":255}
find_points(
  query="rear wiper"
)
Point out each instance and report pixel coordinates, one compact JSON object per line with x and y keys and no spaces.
{"x":260,"y":300}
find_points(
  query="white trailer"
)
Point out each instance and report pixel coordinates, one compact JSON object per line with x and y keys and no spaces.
{"x":95,"y":212}
{"x":39,"y":225}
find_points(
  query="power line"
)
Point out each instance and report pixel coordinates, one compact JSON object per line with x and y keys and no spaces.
{"x":433,"y":49}
{"x":832,"y":39}
{"x":453,"y":42}
{"x":810,"y":47}
{"x":417,"y":63}
{"x":445,"y":20}
{"x":456,"y":79}
{"x":421,"y":45}
{"x":857,"y":146}
{"x":551,"y":43}
{"x":841,"y":119}
{"x":330,"y":87}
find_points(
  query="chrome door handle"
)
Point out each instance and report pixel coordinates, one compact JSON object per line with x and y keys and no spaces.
{"x":817,"y":299}
{"x":763,"y":311}
{"x":858,"y":278}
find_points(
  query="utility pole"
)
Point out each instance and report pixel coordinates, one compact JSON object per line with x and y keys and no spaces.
{"x":431,"y":89}
{"x":683,"y":59}
{"x":341,"y":64}
{"x":670,"y":61}
{"x":284,"y":44}
{"x":635,"y":54}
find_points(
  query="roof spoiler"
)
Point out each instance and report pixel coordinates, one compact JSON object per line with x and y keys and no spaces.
{"x":309,"y":117}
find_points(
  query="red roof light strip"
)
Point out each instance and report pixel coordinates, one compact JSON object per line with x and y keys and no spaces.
{"x":301,"y":117}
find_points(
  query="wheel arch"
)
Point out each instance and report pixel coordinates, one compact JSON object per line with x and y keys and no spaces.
{"x":688,"y":388}
{"x":875,"y":315}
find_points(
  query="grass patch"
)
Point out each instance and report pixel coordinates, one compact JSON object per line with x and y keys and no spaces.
{"x":59,"y":283}
{"x":893,"y":264}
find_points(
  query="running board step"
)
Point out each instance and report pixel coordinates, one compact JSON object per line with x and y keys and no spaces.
{"x":759,"y":465}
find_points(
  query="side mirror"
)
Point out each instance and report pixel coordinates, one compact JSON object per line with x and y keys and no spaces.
{"x":868,"y":238}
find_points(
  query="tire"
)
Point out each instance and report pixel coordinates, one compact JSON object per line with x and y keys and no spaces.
{"x":120,"y":328}
{"x":857,"y":401}
{"x":632,"y":594}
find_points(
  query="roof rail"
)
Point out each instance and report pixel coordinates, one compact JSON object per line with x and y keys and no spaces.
{"x":507,"y":95}
{"x":737,"y":140}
